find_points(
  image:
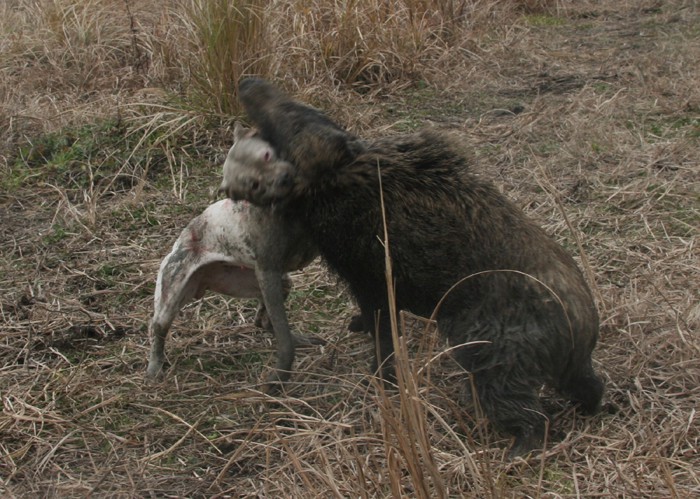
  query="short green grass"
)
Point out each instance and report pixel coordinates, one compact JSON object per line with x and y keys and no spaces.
{"x":544,"y":20}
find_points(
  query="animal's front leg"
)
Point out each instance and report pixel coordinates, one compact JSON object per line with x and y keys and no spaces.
{"x":377,"y":322}
{"x":383,"y":364}
{"x":273,"y":297}
{"x":262,"y":320}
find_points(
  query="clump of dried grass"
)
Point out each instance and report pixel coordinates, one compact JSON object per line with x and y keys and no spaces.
{"x":228,"y":40}
{"x":78,"y":59}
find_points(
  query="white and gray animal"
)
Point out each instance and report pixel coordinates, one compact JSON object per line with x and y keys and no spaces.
{"x":236,"y":249}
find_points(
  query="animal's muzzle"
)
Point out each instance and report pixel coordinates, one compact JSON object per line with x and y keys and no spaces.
{"x":284,"y":180}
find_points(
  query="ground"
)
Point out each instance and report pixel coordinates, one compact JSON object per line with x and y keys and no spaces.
{"x":588,"y":117}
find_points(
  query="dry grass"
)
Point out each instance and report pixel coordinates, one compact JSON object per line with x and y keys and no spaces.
{"x":586,"y":113}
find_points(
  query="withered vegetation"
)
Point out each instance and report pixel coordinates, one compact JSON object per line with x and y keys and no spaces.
{"x":114,"y":115}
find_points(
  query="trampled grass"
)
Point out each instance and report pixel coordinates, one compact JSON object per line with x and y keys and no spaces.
{"x":114,"y":117}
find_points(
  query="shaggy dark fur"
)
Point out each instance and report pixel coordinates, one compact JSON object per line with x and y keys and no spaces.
{"x":522,"y":293}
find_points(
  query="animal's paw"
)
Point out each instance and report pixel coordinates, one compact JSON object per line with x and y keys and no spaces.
{"x":272,"y":388}
{"x":356,"y":325}
{"x":154,"y":376}
{"x":525,"y":444}
{"x":301,"y":340}
{"x":155,"y":369}
{"x":385,"y":377}
{"x":274,"y":383}
{"x":262,"y":320}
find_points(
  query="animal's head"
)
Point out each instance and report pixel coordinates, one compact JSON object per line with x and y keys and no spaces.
{"x":318,"y":147}
{"x":253,"y":172}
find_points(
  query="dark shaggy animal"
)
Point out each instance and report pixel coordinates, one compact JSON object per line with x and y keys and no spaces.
{"x":516,"y":289}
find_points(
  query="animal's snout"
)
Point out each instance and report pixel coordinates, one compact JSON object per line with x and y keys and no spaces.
{"x":246,"y":187}
{"x":284,"y":179}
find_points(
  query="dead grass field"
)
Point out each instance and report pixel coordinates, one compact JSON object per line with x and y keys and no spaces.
{"x":111,"y":131}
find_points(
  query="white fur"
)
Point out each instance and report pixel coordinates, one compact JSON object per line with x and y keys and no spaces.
{"x":235,"y":249}
{"x":210,"y":254}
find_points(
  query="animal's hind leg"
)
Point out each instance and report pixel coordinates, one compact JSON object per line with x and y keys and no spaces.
{"x":163,"y":317}
{"x":261,"y":318}
{"x":585,"y":388}
{"x":511,"y":404}
{"x":166,"y":309}
{"x":156,"y":358}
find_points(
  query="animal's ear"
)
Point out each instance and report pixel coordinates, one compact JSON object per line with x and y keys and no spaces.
{"x":242,"y":132}
{"x":239,"y":131}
